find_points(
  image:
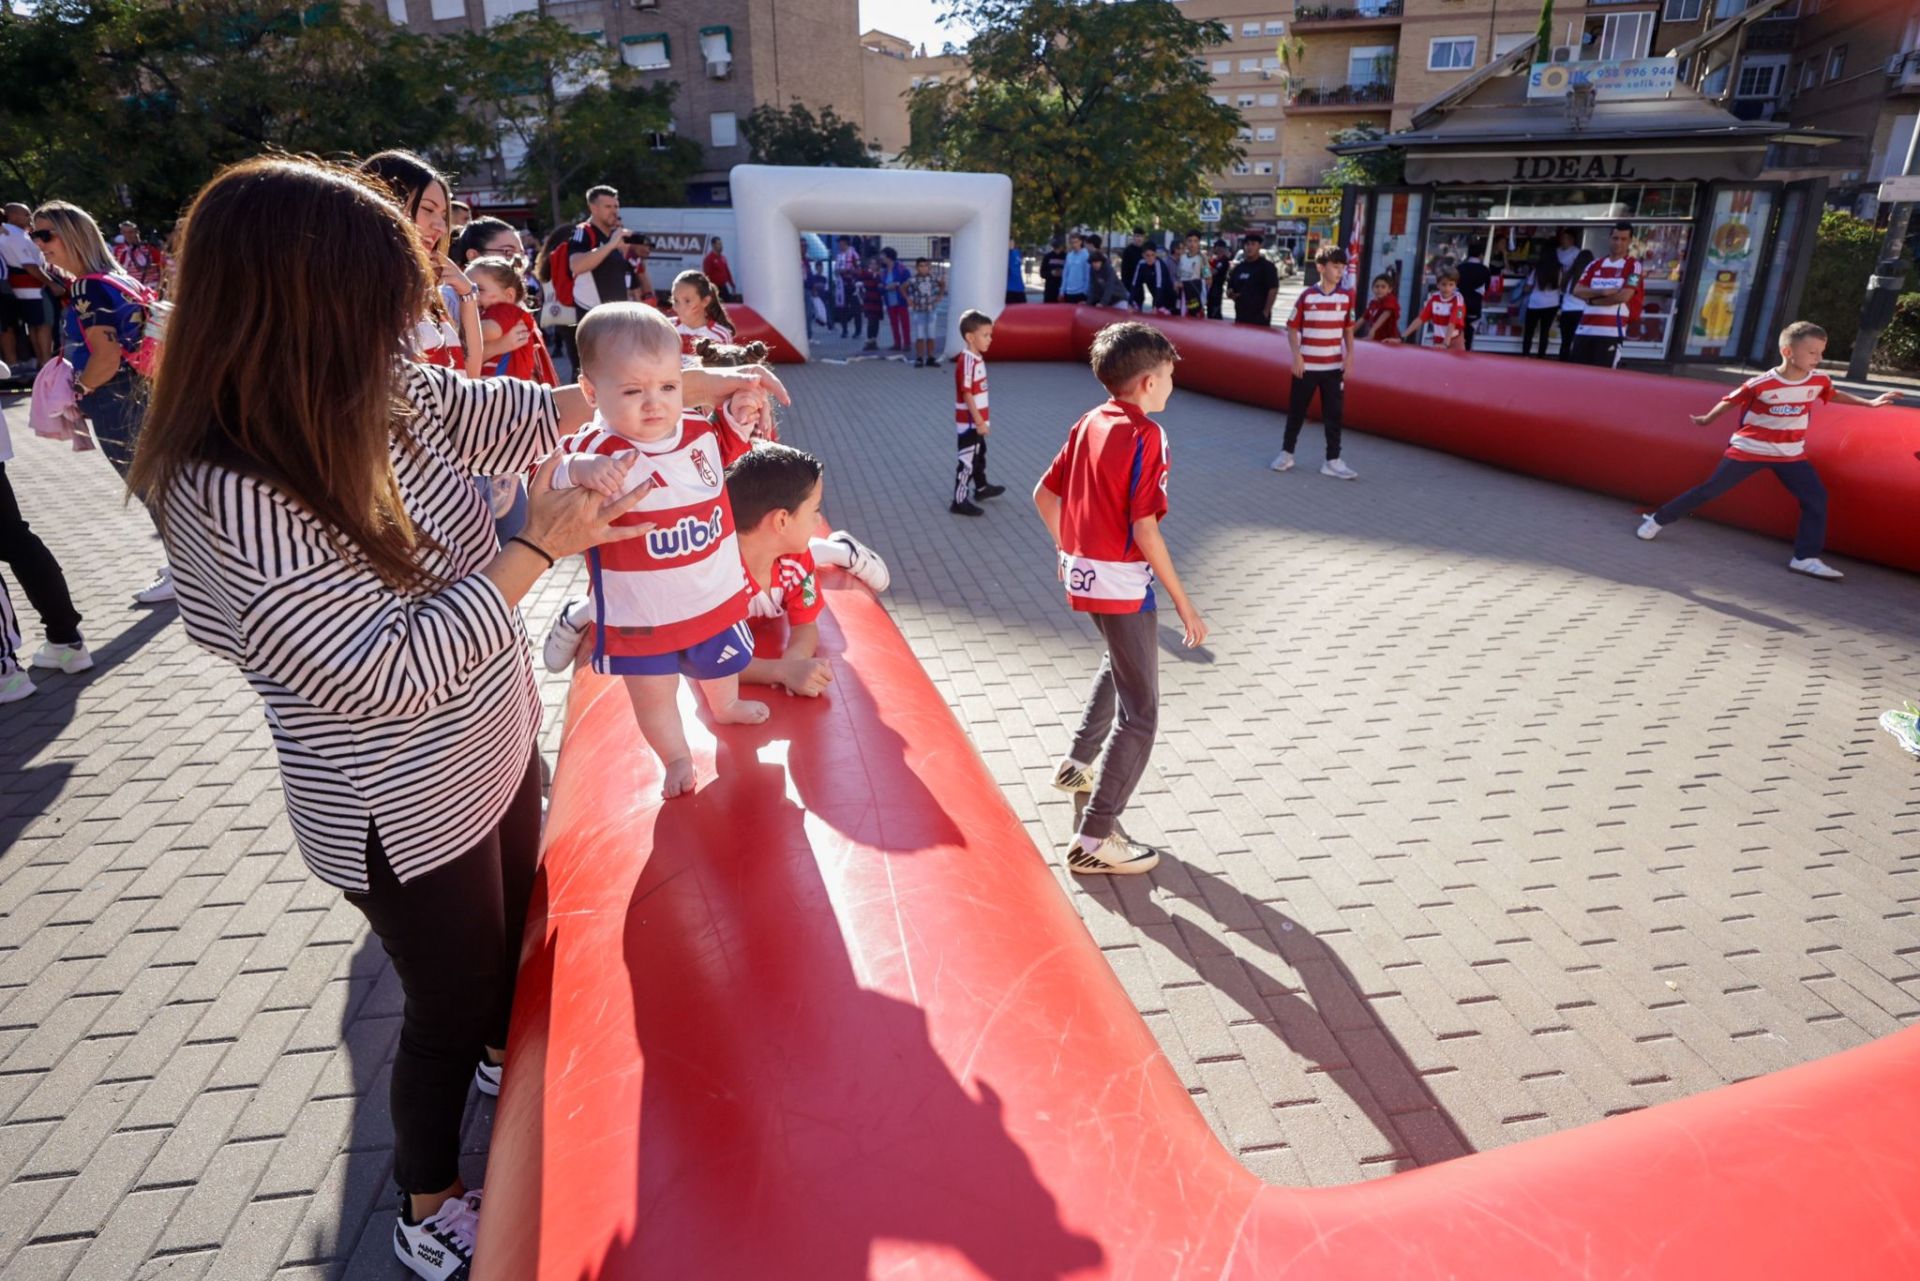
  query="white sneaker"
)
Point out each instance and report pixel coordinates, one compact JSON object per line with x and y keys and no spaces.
{"x":563,"y":638}
{"x":1649,"y":527}
{"x":1814,"y":567}
{"x":1338,"y":469}
{"x":862,"y":561}
{"x":486,"y":1079}
{"x":1282,"y":462}
{"x":160,"y":591}
{"x":64,"y":658}
{"x":1073,"y":779}
{"x":440,"y":1246}
{"x":16,"y":686}
{"x":1113,"y":855}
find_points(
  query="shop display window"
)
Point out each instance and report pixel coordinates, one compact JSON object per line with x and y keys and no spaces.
{"x":1394,"y":251}
{"x":1730,"y":264}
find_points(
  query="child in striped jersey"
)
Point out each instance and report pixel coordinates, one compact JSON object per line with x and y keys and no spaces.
{"x":1775,"y":410}
{"x":698,"y":313}
{"x":673,"y":602}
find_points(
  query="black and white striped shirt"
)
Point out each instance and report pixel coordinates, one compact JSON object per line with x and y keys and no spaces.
{"x":417,"y":712}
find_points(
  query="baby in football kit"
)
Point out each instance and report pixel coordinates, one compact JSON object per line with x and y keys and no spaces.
{"x":673,"y":602}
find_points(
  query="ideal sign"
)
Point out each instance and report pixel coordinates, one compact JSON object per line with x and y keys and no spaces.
{"x":1612,"y":79}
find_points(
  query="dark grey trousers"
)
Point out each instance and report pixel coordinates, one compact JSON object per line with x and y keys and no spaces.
{"x":1129,"y":678}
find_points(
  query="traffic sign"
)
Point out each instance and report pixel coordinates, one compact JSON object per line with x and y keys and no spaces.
{"x":1210,"y":209}
{"x":1899,"y":190}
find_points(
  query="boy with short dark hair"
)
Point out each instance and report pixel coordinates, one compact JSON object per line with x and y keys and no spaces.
{"x":1444,"y":315}
{"x":970,"y":418}
{"x":923,"y":303}
{"x":775,"y":490}
{"x":1776,"y":409}
{"x":1322,"y":336}
{"x":1102,"y":500}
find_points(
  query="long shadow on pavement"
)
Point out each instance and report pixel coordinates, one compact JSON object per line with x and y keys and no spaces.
{"x":1326,"y":1017}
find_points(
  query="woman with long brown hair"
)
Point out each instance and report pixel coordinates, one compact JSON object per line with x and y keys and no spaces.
{"x":327,"y":539}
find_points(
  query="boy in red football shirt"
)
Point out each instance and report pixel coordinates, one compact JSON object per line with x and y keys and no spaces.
{"x":775,"y":490}
{"x":1103,"y":499}
{"x":971,"y":417}
{"x":1775,"y":410}
{"x":1445,"y":312}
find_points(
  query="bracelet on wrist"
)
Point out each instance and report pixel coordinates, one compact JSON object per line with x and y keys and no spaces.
{"x":535,"y":548}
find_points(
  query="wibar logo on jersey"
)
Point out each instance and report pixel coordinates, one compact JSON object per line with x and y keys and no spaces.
{"x":687,"y":536}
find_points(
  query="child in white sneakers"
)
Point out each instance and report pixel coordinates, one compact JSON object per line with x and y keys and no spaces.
{"x":971,"y":417}
{"x":673,"y":602}
{"x":1776,"y":408}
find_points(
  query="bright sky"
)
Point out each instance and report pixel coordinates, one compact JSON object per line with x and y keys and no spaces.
{"x":915,"y":20}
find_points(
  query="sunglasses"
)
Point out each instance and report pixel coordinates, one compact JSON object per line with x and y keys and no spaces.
{"x":42,"y":235}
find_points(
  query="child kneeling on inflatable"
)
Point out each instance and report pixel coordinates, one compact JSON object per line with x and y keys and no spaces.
{"x":776,"y":492}
{"x":673,"y":601}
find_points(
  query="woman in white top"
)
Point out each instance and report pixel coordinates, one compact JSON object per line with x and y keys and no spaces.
{"x":315,"y":489}
{"x":1543,"y":300}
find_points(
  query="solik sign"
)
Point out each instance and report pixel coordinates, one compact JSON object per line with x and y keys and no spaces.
{"x":1614,"y":79}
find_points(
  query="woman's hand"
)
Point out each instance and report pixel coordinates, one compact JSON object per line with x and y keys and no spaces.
{"x":713,"y":386}
{"x":565,"y":522}
{"x":453,"y":277}
{"x":512,"y":340}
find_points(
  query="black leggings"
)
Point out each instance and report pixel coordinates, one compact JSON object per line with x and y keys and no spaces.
{"x":454,"y":936}
{"x":37,"y":571}
{"x":1539,"y":321}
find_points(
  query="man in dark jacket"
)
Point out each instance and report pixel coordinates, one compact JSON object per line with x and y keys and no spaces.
{"x":1152,"y":286}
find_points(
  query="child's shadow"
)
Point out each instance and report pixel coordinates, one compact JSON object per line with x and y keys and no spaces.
{"x":796,"y":1119}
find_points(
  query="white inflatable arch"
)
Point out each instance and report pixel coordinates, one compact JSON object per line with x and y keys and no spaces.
{"x":772,"y":204}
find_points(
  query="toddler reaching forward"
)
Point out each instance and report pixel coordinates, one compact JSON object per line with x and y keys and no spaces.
{"x":675,"y":601}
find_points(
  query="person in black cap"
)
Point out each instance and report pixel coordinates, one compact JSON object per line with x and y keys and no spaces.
{"x":1254,"y":284}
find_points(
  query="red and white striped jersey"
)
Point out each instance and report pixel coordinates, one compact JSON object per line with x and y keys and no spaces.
{"x":683,"y":582}
{"x":1443,"y":317}
{"x":969,"y":375}
{"x":1322,"y":317}
{"x":1608,"y":321}
{"x":1774,"y":416}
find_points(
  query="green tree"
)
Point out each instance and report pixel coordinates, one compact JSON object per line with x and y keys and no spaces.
{"x":797,"y":137}
{"x":1091,"y":108}
{"x":154,"y":97}
{"x":1846,"y":251}
{"x":574,"y":114}
{"x":1386,"y":168}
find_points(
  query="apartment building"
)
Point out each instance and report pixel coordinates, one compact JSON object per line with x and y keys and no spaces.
{"x":1851,"y":68}
{"x":1248,"y":73}
{"x":890,"y":69}
{"x":726,"y":56}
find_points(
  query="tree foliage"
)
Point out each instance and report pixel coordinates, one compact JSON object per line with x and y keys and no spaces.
{"x":1846,"y":251}
{"x":797,"y":137}
{"x":574,"y":114}
{"x":128,"y":106}
{"x":1095,"y":110}
{"x":1369,"y":168}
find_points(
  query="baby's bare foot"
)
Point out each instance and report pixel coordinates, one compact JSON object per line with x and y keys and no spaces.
{"x":741,"y":711}
{"x":679,"y":779}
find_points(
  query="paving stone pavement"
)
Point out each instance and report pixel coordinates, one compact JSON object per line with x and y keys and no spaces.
{"x":1486,"y":819}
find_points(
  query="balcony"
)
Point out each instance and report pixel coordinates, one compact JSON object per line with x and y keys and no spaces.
{"x":1371,"y":95}
{"x":1331,"y":17}
{"x":1903,"y":72}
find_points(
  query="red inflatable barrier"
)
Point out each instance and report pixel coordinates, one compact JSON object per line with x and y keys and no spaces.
{"x":1612,"y":431}
{"x":750,"y":326}
{"x":832,"y":1017}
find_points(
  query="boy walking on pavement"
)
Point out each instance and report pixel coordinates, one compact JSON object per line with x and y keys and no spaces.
{"x":970,"y":419}
{"x":1776,"y":408}
{"x":1102,"y":500}
{"x":1322,"y":325}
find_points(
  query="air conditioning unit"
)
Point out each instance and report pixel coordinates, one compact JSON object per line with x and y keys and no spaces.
{"x":646,"y":4}
{"x":1565,"y":53}
{"x":1905,"y":69}
{"x":719,"y":68}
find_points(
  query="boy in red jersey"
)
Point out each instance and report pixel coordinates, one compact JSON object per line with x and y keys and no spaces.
{"x":776,"y":491}
{"x":1322,"y":335}
{"x":1775,"y":410}
{"x":1102,"y":500}
{"x":971,"y":421}
{"x":1446,"y":313}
